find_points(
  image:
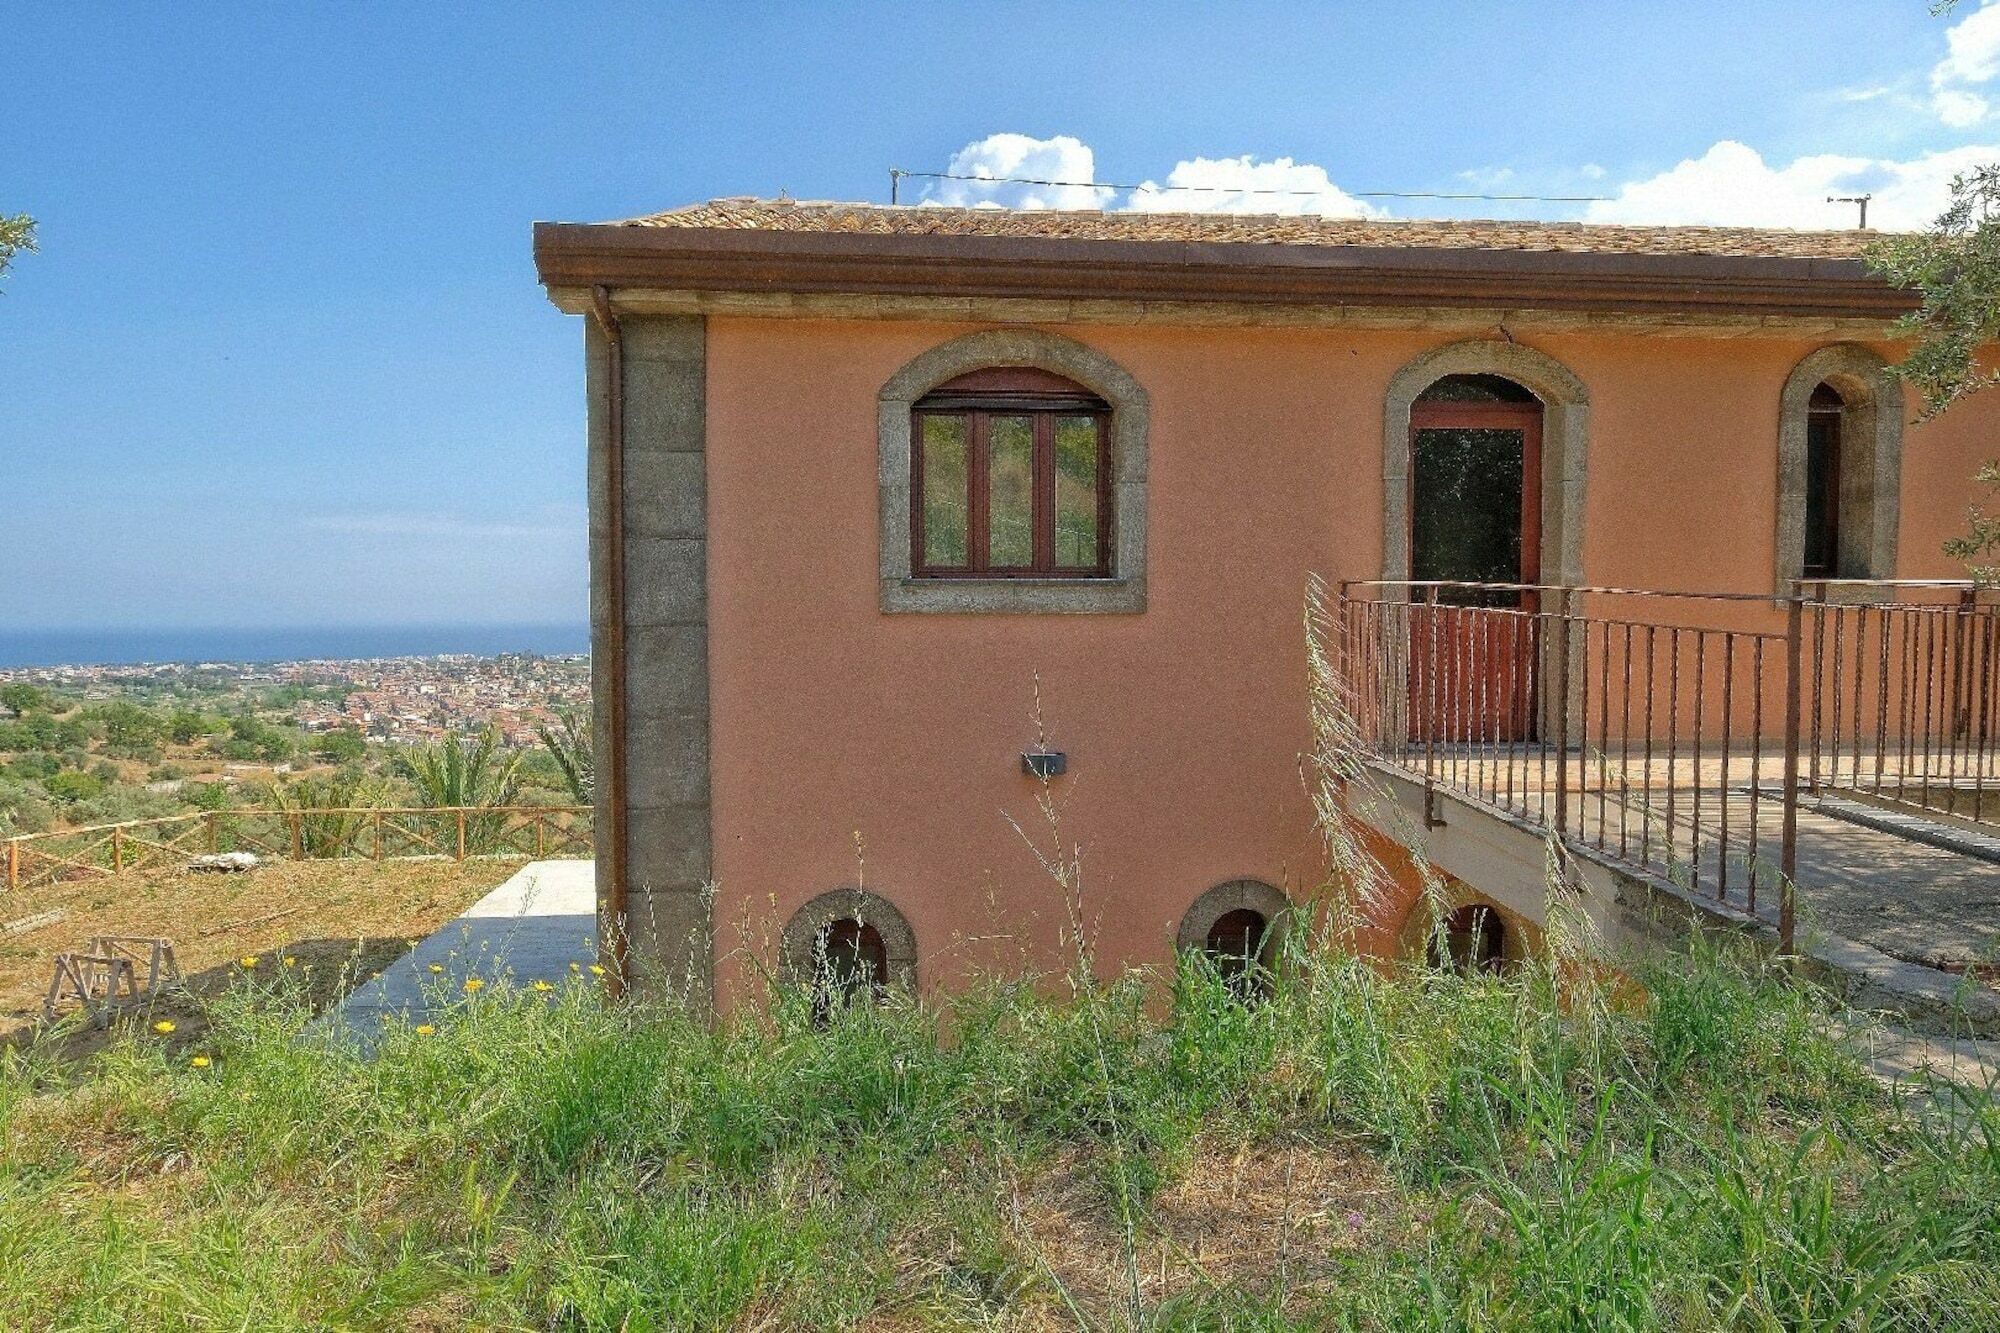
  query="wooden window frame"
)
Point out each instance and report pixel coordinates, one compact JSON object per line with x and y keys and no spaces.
{"x":1523,"y":417}
{"x":978,"y":398}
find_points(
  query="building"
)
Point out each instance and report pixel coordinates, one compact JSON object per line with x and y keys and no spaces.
{"x":884,"y":500}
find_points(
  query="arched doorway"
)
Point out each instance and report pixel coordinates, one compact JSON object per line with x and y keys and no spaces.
{"x":1475,"y":506}
{"x":1825,"y":410}
{"x":1840,"y":451}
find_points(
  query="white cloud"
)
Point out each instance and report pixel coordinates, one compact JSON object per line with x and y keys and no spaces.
{"x":1972,"y":58}
{"x":1223,"y":185}
{"x":1732,"y":185}
{"x":1972,"y":49}
{"x":1061,"y":158}
{"x":1958,"y":108}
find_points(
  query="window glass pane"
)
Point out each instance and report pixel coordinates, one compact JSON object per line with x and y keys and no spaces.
{"x":1465,"y":507}
{"x":944,"y":491}
{"x":1822,"y":493}
{"x":1076,"y":492}
{"x":1010,"y":491}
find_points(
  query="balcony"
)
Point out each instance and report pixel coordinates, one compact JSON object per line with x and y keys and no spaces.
{"x":1823,"y":767}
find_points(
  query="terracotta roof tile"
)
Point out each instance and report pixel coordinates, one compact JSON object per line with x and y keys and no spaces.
{"x":746,"y":214}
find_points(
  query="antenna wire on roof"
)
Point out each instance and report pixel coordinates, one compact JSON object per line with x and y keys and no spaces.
{"x":897,"y":175}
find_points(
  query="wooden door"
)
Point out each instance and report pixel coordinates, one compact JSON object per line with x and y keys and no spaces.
{"x":1475,"y":517}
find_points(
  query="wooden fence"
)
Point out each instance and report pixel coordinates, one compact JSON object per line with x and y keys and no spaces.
{"x":378,"y":834}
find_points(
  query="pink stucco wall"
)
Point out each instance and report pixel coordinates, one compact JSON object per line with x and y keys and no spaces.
{"x":834,"y":724}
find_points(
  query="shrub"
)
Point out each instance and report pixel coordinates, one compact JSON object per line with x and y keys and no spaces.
{"x":72,"y":785}
{"x":115,"y":805}
{"x":24,"y":808}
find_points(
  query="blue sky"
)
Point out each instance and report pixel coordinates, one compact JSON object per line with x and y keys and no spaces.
{"x":282,"y":359}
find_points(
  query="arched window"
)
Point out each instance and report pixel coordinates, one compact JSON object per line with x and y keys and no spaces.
{"x":1011,"y":478}
{"x":1473,"y":940}
{"x":1494,"y":375}
{"x":1239,"y":927}
{"x":852,"y":953}
{"x":1236,"y":947}
{"x":1475,"y":484}
{"x":1011,"y":471}
{"x":850,"y":961}
{"x":847,"y":943}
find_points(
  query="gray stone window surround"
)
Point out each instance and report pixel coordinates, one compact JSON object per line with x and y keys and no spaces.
{"x":1871,"y":464}
{"x":1230,"y":896}
{"x":899,"y":942}
{"x":1125,"y":590}
{"x":1565,"y":446}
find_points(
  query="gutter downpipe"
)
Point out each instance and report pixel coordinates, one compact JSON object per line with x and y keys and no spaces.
{"x":611,"y":930}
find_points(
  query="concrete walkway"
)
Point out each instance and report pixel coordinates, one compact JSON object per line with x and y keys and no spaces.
{"x":532,"y":927}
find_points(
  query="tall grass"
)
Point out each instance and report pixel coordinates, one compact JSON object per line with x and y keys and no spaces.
{"x":1708,"y":1157}
{"x":1362,"y":1144}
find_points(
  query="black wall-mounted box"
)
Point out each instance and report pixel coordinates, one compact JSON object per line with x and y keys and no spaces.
{"x":1044,"y":763}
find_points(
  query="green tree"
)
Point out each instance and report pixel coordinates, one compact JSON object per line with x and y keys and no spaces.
{"x":466,"y":771}
{"x":1954,"y":268}
{"x":250,"y":737}
{"x":24,"y":808}
{"x":569,"y":744}
{"x":35,"y":764}
{"x":129,"y":730}
{"x":74,"y":785}
{"x":343,"y":745}
{"x":206,"y":795}
{"x":17,"y":236}
{"x":330,"y":809}
{"x":185,"y":727}
{"x":462,"y":771}
{"x":21,"y":698}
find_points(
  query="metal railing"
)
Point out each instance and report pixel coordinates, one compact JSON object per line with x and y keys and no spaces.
{"x":384,"y":833}
{"x":1904,"y":695}
{"x":1659,"y":731}
{"x":1677,"y":733}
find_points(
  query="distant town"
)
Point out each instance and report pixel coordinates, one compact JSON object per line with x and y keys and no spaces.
{"x":393,"y":699}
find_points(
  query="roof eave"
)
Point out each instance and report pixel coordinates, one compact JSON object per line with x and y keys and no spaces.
{"x":700,"y":259}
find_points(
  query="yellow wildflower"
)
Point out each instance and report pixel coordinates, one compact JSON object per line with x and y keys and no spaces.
{"x":290,"y":961}
{"x":474,"y":983}
{"x":437,"y":968}
{"x":248,"y":960}
{"x":543,"y":986}
{"x":576,"y":967}
{"x":163,"y":1027}
{"x":199,"y":1062}
{"x":425,"y":1029}
{"x":597,"y":969}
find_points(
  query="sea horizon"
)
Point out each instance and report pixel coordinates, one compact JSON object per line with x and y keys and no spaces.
{"x":165,"y":645}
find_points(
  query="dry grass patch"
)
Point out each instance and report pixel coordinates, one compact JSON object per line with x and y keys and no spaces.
{"x":1274,"y":1217}
{"x":339,"y":921}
